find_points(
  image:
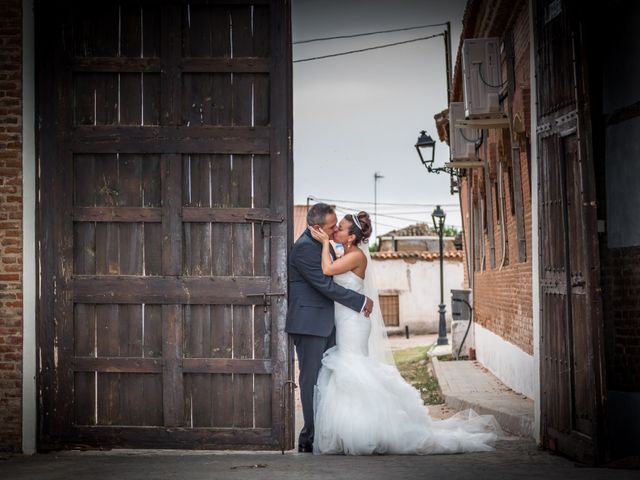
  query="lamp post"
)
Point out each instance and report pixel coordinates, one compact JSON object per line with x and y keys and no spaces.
{"x":438,"y":217}
{"x":376,"y":177}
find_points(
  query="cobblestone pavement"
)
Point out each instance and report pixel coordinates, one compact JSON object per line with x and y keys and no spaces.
{"x":519,"y":459}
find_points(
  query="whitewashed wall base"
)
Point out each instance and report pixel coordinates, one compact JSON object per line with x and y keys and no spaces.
{"x":514,"y":367}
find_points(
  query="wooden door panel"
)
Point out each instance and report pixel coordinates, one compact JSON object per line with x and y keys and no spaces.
{"x":568,"y":255}
{"x":226,"y":30}
{"x":554,"y":57}
{"x":580,"y":335}
{"x":556,"y":388}
{"x":551,"y":209}
{"x":173,"y":123}
{"x":568,"y":383}
{"x":226,"y":181}
{"x":582,"y":368}
{"x":221,"y":249}
{"x":575,"y":199}
{"x":116,"y":180}
{"x":122,"y":399}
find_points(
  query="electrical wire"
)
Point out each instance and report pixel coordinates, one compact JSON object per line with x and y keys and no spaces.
{"x":368,"y":49}
{"x":414,"y":212}
{"x":322,"y":39}
{"x":407,"y":215}
{"x":345,"y":209}
{"x":343,"y":206}
{"x":380,"y":204}
{"x":488,"y":84}
{"x":475,"y":142}
{"x":395,"y":217}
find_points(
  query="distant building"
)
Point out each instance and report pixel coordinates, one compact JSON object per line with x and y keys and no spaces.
{"x":414,"y":238}
{"x":299,"y":220}
{"x":408,"y":277}
{"x":408,"y":284}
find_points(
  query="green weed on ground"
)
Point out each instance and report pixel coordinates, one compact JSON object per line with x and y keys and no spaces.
{"x":413,"y":364}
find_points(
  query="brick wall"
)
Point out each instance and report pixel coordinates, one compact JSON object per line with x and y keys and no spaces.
{"x":502,"y":304}
{"x":620,"y":273}
{"x":503,"y":295}
{"x":10,"y":225}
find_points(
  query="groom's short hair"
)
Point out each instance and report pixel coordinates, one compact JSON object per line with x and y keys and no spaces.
{"x":317,"y":214}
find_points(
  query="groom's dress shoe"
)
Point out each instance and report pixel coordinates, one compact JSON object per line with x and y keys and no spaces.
{"x":305,"y":448}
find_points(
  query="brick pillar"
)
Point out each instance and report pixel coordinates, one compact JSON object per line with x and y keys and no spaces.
{"x":10,"y":225}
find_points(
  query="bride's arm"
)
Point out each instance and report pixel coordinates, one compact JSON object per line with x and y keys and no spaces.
{"x":343,"y":264}
{"x":334,"y":267}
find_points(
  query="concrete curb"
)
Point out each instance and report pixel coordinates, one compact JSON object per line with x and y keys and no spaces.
{"x":509,"y":408}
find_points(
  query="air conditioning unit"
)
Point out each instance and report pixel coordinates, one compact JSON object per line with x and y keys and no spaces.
{"x":461,"y":140}
{"x":482,"y":79}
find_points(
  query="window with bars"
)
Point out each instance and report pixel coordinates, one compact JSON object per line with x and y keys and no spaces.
{"x":390,"y":307}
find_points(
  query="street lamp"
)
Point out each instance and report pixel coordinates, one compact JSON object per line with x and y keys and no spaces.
{"x":438,"y":217}
{"x":426,"y":148}
{"x":428,"y":145}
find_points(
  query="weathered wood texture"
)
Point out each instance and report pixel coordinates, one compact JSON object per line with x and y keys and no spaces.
{"x":164,"y":218}
{"x":571,"y":344}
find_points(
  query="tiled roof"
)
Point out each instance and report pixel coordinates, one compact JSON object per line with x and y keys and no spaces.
{"x":299,"y":220}
{"x":427,"y":256}
{"x":417,"y":230}
{"x":442,"y":125}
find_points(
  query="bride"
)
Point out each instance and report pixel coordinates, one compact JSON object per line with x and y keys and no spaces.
{"x":362,"y":405}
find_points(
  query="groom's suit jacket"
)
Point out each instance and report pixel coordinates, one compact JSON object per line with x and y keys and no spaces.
{"x":312,"y":293}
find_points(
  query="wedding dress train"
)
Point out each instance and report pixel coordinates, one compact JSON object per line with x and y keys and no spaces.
{"x":363,"y":406}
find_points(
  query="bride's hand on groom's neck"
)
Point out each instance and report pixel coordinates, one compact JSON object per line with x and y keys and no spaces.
{"x":318,"y":234}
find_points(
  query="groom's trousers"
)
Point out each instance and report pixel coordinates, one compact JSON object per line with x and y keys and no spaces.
{"x":310,"y":350}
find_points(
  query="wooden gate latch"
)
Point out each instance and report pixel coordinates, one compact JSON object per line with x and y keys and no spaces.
{"x":263,"y":220}
{"x":265,"y":298}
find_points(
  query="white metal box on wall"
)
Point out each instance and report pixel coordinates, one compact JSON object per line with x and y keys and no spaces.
{"x":482,"y":79}
{"x":462,"y":140}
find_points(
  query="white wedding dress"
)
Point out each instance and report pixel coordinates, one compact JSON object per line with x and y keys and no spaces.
{"x":363,"y":406}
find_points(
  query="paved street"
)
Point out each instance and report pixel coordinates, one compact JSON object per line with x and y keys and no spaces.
{"x":518,"y":459}
{"x":514,"y":457}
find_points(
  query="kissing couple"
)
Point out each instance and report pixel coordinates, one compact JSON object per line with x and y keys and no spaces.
{"x":354,"y":400}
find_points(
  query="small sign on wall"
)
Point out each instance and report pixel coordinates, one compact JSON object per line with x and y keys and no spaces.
{"x":553,"y":10}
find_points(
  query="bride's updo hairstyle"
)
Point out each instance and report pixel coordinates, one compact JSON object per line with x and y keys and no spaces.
{"x":361,"y":227}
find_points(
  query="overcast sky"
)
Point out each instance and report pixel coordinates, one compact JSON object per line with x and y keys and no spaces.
{"x":361,"y":113}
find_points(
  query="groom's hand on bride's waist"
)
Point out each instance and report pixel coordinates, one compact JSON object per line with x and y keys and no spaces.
{"x":368,"y":307}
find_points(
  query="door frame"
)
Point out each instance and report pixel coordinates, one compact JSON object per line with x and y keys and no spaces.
{"x":29,"y":233}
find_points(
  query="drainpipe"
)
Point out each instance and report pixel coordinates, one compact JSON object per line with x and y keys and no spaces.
{"x":502,"y":221}
{"x":465,"y":245}
{"x":482,"y":216}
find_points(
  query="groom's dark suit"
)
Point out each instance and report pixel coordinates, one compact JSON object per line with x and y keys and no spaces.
{"x":310,"y":319}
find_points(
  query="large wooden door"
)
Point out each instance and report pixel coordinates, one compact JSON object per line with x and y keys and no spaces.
{"x":164,"y":195}
{"x":571,"y":345}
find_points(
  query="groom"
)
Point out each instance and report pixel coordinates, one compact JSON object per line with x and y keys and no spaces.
{"x":310,"y":319}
